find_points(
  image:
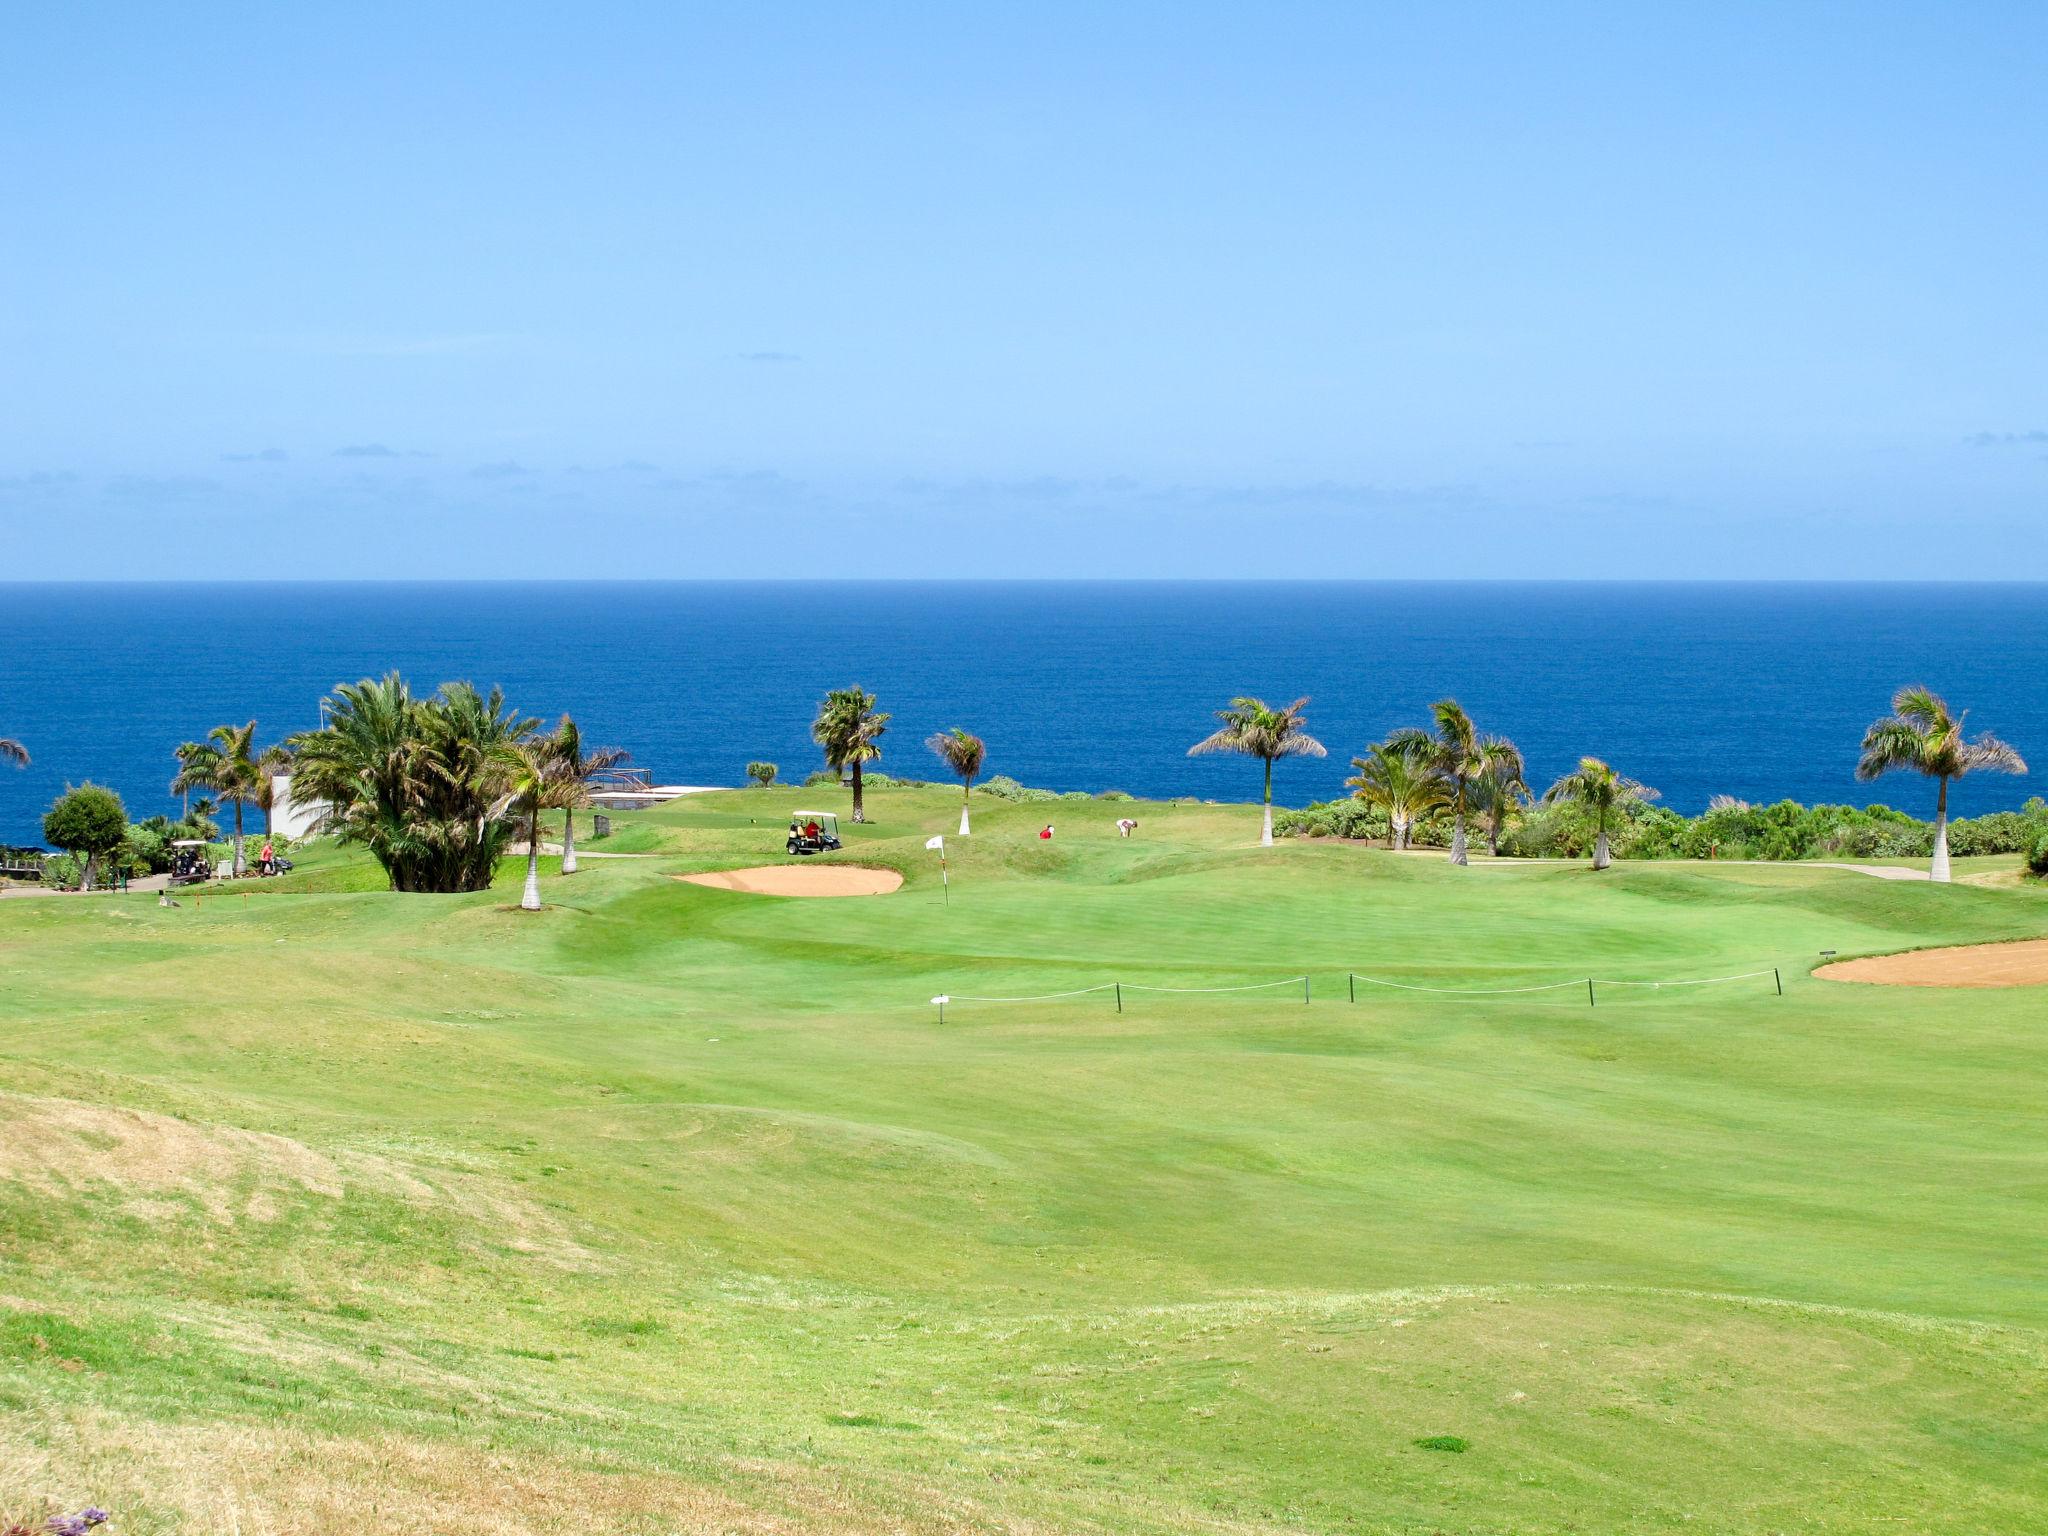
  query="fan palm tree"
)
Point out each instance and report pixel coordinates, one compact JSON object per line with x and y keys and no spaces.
{"x":1400,"y":781}
{"x":12,"y":751}
{"x":1255,"y":729}
{"x":849,"y":729}
{"x":1500,"y":788}
{"x":1922,"y":735}
{"x":228,"y":763}
{"x":1603,"y":791}
{"x":963,"y":753}
{"x":1457,"y":754}
{"x":575,"y":766}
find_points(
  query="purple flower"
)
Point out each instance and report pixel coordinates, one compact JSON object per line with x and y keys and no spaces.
{"x":65,"y":1525}
{"x":92,"y":1514}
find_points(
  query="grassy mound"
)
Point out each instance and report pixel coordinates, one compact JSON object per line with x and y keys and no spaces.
{"x":665,"y":1209}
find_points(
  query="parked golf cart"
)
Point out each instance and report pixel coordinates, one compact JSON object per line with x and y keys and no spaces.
{"x":813,"y":832}
{"x":191,"y":862}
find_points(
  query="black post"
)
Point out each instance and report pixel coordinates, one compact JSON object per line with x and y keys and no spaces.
{"x":1351,"y":980}
{"x":1589,"y":993}
{"x":1119,"y":996}
{"x":1779,"y":978}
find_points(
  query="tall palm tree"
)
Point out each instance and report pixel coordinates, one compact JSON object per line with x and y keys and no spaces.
{"x":183,"y":783}
{"x":575,"y":765}
{"x":849,"y":729}
{"x":534,"y":784}
{"x":1603,"y":791}
{"x":1922,"y":735}
{"x":12,"y":751}
{"x":228,"y":763}
{"x":1500,"y":788}
{"x":1399,"y":780}
{"x":1255,"y":729}
{"x":963,"y":753}
{"x":1458,"y":754}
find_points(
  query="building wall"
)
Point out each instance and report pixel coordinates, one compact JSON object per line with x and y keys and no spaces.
{"x":290,"y":817}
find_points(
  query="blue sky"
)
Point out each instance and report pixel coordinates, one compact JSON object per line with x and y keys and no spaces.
{"x":876,"y":290}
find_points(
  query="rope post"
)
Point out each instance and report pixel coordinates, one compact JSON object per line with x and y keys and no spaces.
{"x":1119,"y":996}
{"x":1779,"y":978}
{"x":1351,"y":980}
{"x":1589,"y":993}
{"x":1304,"y":991}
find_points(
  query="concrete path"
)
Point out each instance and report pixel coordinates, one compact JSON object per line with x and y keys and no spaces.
{"x":1881,"y":871}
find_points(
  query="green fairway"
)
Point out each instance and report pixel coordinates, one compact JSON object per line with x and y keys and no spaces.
{"x":670,"y":1208}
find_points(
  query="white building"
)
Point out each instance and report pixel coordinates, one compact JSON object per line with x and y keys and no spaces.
{"x":289,"y":817}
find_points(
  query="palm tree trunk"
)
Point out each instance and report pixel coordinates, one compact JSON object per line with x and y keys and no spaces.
{"x":859,"y":812}
{"x":965,"y":789}
{"x":85,"y":879}
{"x":1601,"y":858}
{"x":1458,"y":853}
{"x":531,"y":899}
{"x":1493,"y":836}
{"x":568,"y":839}
{"x":1939,"y":870}
{"x":1266,"y":836}
{"x":238,"y":839}
{"x":1393,"y":831}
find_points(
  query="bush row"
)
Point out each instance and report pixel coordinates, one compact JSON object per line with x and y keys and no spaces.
{"x":1727,"y":829}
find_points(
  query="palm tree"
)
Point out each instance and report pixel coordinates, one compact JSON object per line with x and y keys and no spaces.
{"x":575,"y":766}
{"x":12,"y":751}
{"x":1922,"y":735}
{"x":199,"y":816}
{"x":534,"y":784}
{"x":183,"y":783}
{"x":1401,"y":782}
{"x":849,"y":729}
{"x":1500,"y":788}
{"x":1457,"y":754}
{"x":425,"y":784}
{"x":1255,"y":729}
{"x":962,"y":752}
{"x":227,"y":763}
{"x":1602,"y":790}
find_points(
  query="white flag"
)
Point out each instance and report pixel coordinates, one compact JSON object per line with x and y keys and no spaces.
{"x":938,"y":844}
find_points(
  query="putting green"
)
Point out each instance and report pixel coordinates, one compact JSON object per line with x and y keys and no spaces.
{"x":666,"y":1210}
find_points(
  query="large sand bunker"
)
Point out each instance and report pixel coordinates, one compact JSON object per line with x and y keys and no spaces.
{"x":2023,"y":963}
{"x":801,"y":880}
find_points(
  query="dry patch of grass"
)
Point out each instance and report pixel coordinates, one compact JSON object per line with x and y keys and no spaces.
{"x":272,"y":1480}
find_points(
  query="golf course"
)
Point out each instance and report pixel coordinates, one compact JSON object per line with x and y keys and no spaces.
{"x":1348,"y":1191}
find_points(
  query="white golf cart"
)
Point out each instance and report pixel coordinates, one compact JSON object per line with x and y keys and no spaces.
{"x":813,"y":832}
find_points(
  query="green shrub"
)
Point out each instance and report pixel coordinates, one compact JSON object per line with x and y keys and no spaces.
{"x":2037,"y":857}
{"x":1331,"y":818}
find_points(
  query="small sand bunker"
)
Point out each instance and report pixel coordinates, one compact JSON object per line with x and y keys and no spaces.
{"x":801,"y":880}
{"x":2020,"y":964}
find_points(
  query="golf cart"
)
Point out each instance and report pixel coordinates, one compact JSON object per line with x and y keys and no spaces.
{"x":813,"y":832}
{"x":191,"y":861}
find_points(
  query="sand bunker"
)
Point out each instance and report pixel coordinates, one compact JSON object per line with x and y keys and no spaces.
{"x":801,"y":880}
{"x":2020,"y":964}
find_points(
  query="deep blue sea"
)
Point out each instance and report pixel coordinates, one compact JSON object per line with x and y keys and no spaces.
{"x":1758,"y":691}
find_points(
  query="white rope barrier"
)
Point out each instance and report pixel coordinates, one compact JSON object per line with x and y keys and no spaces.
{"x":1699,"y":981}
{"x":1590,"y":983}
{"x":1042,"y":997}
{"x":1547,"y":986}
{"x":1256,"y":986}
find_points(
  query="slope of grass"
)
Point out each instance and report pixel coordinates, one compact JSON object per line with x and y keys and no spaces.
{"x":678,"y":1209}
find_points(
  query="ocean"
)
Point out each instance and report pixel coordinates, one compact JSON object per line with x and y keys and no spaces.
{"x":1760,"y":691}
